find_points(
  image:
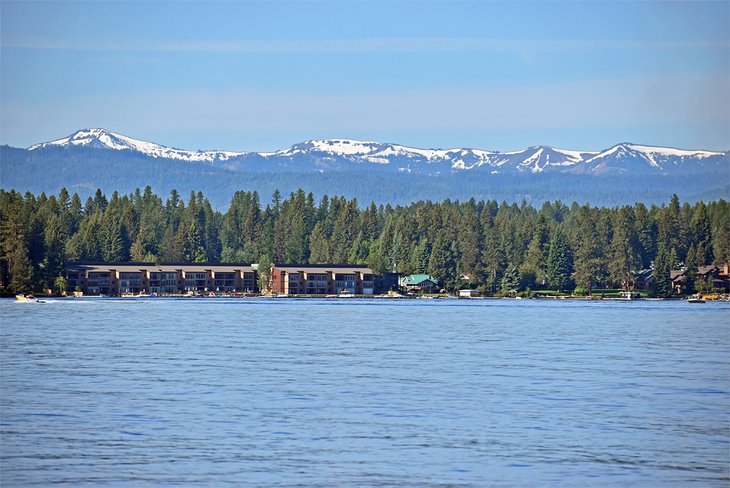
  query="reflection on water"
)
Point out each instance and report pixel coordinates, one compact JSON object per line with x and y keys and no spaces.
{"x":364,"y":393}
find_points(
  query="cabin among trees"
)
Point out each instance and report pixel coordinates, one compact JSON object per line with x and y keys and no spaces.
{"x":486,"y":245}
{"x":703,"y":279}
{"x":420,"y":283}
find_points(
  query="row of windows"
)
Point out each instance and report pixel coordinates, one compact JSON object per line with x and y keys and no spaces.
{"x":195,"y":276}
{"x":163,"y":289}
{"x":163,"y":276}
{"x":172,"y":282}
{"x":316,"y":277}
{"x":98,"y":283}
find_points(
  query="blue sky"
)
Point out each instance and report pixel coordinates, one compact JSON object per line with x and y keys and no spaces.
{"x":262,"y":76}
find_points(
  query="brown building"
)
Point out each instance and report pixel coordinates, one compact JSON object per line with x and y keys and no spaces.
{"x":163,"y":279}
{"x":718,"y":277}
{"x":321,"y":279}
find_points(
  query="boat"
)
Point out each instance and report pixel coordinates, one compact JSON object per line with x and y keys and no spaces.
{"x":28,"y":298}
{"x":695,"y":299}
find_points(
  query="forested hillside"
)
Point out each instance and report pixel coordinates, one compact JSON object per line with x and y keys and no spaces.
{"x":496,"y":246}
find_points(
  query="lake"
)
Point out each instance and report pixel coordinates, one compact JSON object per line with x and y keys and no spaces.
{"x":353,"y":392}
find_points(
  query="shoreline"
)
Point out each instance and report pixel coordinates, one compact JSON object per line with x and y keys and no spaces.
{"x":363,"y":297}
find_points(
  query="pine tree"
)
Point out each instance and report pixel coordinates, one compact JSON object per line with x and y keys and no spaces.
{"x":624,"y":255}
{"x":588,"y":250}
{"x":493,"y":261}
{"x":701,"y":232}
{"x":370,"y":222}
{"x":192,"y":249}
{"x":319,"y":249}
{"x":535,"y":264}
{"x":511,"y":279}
{"x":660,"y":273}
{"x":470,"y":243}
{"x":276,"y":202}
{"x":646,"y":232}
{"x":359,"y":250}
{"x":21,"y":269}
{"x":252,"y":228}
{"x":420,"y":257}
{"x":264,"y":272}
{"x":690,"y":271}
{"x":560,"y":262}
{"x":170,"y":248}
{"x":442,"y":262}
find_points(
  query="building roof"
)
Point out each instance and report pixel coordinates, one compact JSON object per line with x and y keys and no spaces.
{"x":323,"y":265}
{"x":676,"y":274}
{"x":679,"y":274}
{"x":704,"y":270}
{"x":136,"y":267}
{"x":644,"y":274}
{"x":417,"y":279}
{"x":324,"y":268}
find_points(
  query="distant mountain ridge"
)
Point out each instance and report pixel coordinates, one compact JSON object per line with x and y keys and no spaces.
{"x":323,"y":155}
{"x":369,"y":171}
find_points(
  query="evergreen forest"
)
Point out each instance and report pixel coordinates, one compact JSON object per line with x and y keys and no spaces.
{"x":496,"y":247}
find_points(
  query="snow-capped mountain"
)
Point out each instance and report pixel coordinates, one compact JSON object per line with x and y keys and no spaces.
{"x":627,"y":157}
{"x":343,"y":154}
{"x":103,"y":139}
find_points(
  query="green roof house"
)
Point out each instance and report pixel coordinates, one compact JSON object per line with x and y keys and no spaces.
{"x":420,"y":282}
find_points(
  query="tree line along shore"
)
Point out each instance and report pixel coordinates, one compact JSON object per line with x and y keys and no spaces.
{"x":494,"y":247}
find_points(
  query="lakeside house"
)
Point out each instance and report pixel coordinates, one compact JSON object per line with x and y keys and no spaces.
{"x":420,"y":283}
{"x":322,"y":279}
{"x":163,"y":279}
{"x":643,"y":279}
{"x":718,"y":277}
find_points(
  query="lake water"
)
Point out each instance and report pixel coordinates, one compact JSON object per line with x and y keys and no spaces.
{"x":347,"y":392}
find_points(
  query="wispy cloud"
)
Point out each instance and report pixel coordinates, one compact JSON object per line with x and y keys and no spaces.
{"x":402,"y":44}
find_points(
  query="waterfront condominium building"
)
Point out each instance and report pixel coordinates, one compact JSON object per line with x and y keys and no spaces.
{"x":321,"y":279}
{"x":163,"y":279}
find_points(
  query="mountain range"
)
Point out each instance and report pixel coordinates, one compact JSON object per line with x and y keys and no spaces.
{"x":344,"y":154}
{"x":625,"y":173}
